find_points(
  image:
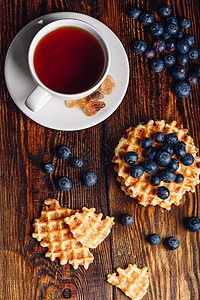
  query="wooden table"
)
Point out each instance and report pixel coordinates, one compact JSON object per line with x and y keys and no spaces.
{"x":25,"y":272}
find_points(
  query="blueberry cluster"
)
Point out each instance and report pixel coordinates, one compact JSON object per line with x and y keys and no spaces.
{"x":65,"y":183}
{"x":161,"y":156}
{"x":169,"y":37}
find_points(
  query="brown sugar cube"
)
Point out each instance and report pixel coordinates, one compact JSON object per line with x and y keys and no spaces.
{"x":93,"y":107}
{"x":108,"y":85}
{"x":77,"y":103}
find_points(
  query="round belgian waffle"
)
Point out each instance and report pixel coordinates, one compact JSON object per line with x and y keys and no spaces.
{"x":141,"y":188}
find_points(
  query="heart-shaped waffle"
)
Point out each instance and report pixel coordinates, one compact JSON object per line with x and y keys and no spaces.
{"x":88,"y":228}
{"x":52,"y":232}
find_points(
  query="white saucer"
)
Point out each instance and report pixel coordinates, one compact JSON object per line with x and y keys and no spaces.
{"x":55,"y":114}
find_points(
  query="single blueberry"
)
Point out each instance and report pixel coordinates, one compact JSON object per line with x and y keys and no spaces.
{"x":185,"y":23}
{"x":48,"y":168}
{"x":182,"y":89}
{"x":179,"y":72}
{"x":170,"y":44}
{"x":179,"y":178}
{"x":182,"y":143}
{"x":163,"y":158}
{"x":64,"y":184}
{"x":183,"y":46}
{"x":189,"y":38}
{"x":163,"y":192}
{"x":155,"y":180}
{"x":149,"y":53}
{"x":151,"y":153}
{"x":179,"y":34}
{"x":182,"y":59}
{"x":180,"y":150}
{"x":172,"y":28}
{"x":166,"y":35}
{"x":165,"y":11}
{"x":192,"y":79}
{"x":172,"y":243}
{"x":174,"y":164}
{"x":171,"y":138}
{"x":66,"y":293}
{"x":136,"y":171}
{"x":159,"y":137}
{"x":139,"y":46}
{"x":153,"y":239}
{"x":131,"y":157}
{"x":157,"y":29}
{"x":64,"y":152}
{"x":169,"y":148}
{"x":193,"y":53}
{"x":147,"y":143}
{"x":197,"y":70}
{"x":169,"y":60}
{"x":135,"y":13}
{"x":159,"y":45}
{"x":167,"y":175}
{"x":187,"y":160}
{"x":150,"y":167}
{"x":172,"y":20}
{"x":157,"y":65}
{"x":89,"y":178}
{"x":77,"y":162}
{"x":193,"y":224}
{"x":126,"y":219}
{"x":147,"y":18}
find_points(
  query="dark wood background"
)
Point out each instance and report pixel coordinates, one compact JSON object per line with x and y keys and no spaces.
{"x":25,"y":273}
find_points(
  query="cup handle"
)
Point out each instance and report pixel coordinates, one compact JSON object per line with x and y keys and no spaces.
{"x":37,"y":99}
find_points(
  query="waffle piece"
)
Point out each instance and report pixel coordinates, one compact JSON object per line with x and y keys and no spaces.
{"x":132,"y":281}
{"x":140,"y":188}
{"x":52,"y":232}
{"x":88,"y":228}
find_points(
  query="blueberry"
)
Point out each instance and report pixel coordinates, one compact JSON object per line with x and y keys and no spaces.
{"x":171,"y":138}
{"x":64,"y":184}
{"x":189,"y":38}
{"x":165,"y":11}
{"x":185,"y":23}
{"x":179,"y":34}
{"x":174,"y":164}
{"x":77,"y":162}
{"x":172,"y":243}
{"x":182,"y":59}
{"x":147,"y":18}
{"x":182,"y":143}
{"x":192,"y":79}
{"x":159,"y":137}
{"x":48,"y":168}
{"x":172,"y":20}
{"x":182,"y":89}
{"x":155,"y":180}
{"x":172,"y":28}
{"x":136,"y":171}
{"x":157,"y":29}
{"x":135,"y":13}
{"x":179,"y":72}
{"x":169,"y":148}
{"x":149,"y":53}
{"x":64,"y":152}
{"x":153,"y":239}
{"x":147,"y":143}
{"x":159,"y":45}
{"x":170,"y":44}
{"x":197,"y":70}
{"x":150,"y":167}
{"x":180,"y":150}
{"x":193,"y":224}
{"x":166,"y":35}
{"x":163,"y":192}
{"x":183,"y":46}
{"x":187,"y":160}
{"x":131,"y":157}
{"x":157,"y":65}
{"x":193,"y":53}
{"x":151,"y":153}
{"x":167,"y":175}
{"x":163,"y":158}
{"x":179,"y":178}
{"x":89,"y":178}
{"x":139,"y":46}
{"x":169,"y":60}
{"x":126,"y":219}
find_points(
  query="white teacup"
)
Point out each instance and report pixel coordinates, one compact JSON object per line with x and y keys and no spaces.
{"x":42,"y":94}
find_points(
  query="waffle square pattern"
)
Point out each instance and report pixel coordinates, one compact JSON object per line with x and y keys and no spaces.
{"x":132,"y":281}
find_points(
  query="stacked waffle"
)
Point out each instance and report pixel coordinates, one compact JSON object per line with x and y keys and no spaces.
{"x":69,"y":234}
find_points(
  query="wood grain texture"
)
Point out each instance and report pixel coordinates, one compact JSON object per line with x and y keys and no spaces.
{"x":25,"y":273}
